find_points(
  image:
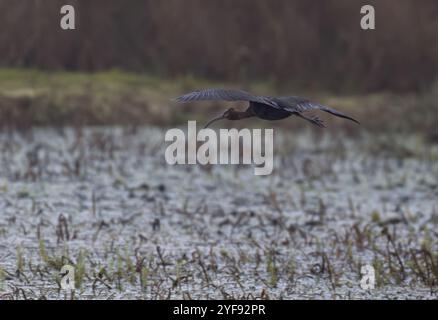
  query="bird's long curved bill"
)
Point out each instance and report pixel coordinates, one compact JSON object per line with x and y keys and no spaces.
{"x":213,"y":120}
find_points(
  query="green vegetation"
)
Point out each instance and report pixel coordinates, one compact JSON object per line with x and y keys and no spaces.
{"x":32,"y":97}
{"x":290,"y":235}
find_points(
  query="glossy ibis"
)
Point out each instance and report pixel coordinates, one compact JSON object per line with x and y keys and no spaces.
{"x":267,"y":108}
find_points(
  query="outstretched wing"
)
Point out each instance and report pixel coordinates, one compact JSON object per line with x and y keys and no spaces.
{"x":224,"y":95}
{"x":292,"y":104}
{"x":299,"y":105}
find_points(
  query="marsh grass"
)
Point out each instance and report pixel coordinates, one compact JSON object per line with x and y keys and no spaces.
{"x":32,"y":97}
{"x":132,"y":227}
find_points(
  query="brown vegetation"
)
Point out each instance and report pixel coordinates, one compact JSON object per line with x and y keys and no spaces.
{"x":304,"y":44}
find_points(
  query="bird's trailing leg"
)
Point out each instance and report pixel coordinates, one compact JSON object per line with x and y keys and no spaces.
{"x":313,"y":119}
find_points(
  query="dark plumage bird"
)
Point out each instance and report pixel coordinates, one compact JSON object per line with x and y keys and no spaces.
{"x":268,"y":108}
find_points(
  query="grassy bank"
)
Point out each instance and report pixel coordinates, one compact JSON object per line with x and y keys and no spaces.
{"x":32,"y":97}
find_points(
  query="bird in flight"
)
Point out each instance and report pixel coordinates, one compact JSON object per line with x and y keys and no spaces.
{"x":267,"y":108}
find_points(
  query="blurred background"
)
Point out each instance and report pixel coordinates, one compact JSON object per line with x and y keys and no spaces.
{"x":125,"y":60}
{"x":83,"y":178}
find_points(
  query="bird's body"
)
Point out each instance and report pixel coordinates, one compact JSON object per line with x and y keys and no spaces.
{"x":267,"y":108}
{"x":261,"y":111}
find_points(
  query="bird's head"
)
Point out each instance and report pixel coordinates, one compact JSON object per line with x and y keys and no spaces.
{"x":228,"y":114}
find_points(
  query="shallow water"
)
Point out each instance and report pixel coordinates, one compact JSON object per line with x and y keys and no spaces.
{"x":105,"y":201}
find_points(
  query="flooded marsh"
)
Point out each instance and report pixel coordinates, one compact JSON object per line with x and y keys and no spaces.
{"x":105,"y":201}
